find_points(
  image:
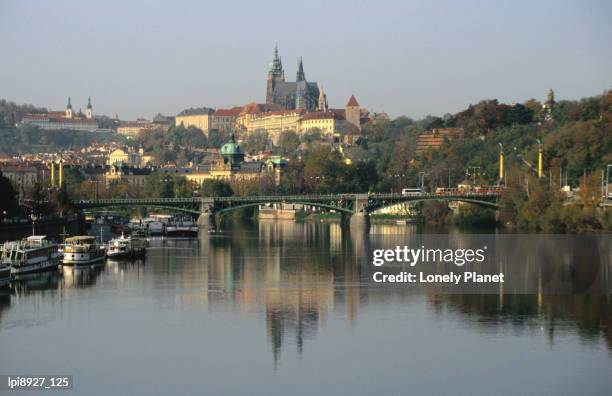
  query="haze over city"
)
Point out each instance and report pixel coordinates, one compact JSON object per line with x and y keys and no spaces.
{"x":139,"y":58}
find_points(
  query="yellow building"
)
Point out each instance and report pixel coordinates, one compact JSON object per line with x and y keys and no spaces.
{"x":128,"y":158}
{"x":328,"y":122}
{"x":275,"y":122}
{"x":200,"y":118}
{"x":224,"y":120}
{"x":133,"y":128}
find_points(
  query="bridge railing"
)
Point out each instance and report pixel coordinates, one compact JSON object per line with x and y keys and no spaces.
{"x":280,"y":198}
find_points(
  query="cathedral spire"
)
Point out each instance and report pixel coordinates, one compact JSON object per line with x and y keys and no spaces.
{"x":89,"y":102}
{"x":300,"y":73}
{"x":69,"y":105}
{"x":276,"y":68}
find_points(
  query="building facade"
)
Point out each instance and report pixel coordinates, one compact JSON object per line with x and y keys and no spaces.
{"x":64,"y":120}
{"x":200,"y":118}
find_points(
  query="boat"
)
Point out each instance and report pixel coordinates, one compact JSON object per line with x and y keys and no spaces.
{"x":127,"y":247}
{"x":5,"y":273}
{"x":82,"y":250}
{"x":34,"y":253}
{"x":182,"y":227}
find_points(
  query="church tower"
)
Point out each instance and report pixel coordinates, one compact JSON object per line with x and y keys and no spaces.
{"x":300,"y":76}
{"x":547,"y":107}
{"x":89,"y":109}
{"x":353,"y":112}
{"x":275,"y":74}
{"x":69,"y":113}
{"x":322,"y":100}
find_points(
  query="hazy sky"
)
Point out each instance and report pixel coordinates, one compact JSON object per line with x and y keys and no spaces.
{"x":413,"y":58}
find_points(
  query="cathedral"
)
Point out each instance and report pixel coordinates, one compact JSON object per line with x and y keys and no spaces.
{"x":300,"y":94}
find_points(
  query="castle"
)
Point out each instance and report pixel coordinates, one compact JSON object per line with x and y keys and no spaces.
{"x":300,"y":94}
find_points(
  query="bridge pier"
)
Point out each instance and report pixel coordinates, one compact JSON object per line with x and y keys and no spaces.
{"x":360,"y":222}
{"x":207,"y":216}
{"x":206,"y":220}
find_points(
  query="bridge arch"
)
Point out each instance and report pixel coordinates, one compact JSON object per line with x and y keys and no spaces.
{"x":381,"y":204}
{"x":315,"y":204}
{"x":190,"y":211}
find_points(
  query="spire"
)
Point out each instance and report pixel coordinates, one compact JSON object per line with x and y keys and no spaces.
{"x":89,"y":102}
{"x":322,"y":100}
{"x":551,"y":96}
{"x":69,"y":105}
{"x":276,"y":68}
{"x":300,"y":73}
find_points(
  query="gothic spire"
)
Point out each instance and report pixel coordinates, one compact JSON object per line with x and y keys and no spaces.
{"x":276,"y":68}
{"x":300,"y":73}
{"x":89,"y":102}
{"x":69,"y":105}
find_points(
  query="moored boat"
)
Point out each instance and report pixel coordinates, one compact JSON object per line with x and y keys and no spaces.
{"x":82,"y":250}
{"x":182,"y":227}
{"x":127,"y":247}
{"x":34,"y":253}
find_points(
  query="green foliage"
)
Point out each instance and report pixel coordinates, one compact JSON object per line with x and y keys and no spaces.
{"x":216,"y":188}
{"x":288,"y":144}
{"x":160,"y":185}
{"x":177,"y":144}
{"x":474,"y":216}
{"x":257,"y":141}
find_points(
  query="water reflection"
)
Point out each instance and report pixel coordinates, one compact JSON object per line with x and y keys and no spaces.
{"x":296,"y":278}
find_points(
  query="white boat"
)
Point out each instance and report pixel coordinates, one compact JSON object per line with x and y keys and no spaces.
{"x":34,"y":253}
{"x":5,"y":273}
{"x":82,"y":250}
{"x":126,"y":247}
{"x":182,"y":228}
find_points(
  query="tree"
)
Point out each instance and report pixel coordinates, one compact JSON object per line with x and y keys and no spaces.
{"x":288,"y":143}
{"x":324,"y":171}
{"x":257,"y":141}
{"x":216,"y":188}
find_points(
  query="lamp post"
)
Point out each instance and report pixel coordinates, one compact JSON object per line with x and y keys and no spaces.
{"x":33,"y":217}
{"x":474,"y":171}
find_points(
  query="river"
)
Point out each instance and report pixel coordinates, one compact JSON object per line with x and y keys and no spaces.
{"x":285,"y":308}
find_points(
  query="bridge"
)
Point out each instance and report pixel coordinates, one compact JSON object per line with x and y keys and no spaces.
{"x":355,"y":207}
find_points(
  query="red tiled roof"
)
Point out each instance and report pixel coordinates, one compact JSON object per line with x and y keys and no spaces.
{"x":320,"y":115}
{"x":254,"y":108}
{"x":233,"y":112}
{"x":352,"y":102}
{"x":53,"y":118}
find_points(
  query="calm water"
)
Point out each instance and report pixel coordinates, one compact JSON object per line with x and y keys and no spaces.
{"x":283,"y":308}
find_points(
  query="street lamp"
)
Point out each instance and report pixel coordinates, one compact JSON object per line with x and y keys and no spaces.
{"x":474,"y":171}
{"x":33,"y":217}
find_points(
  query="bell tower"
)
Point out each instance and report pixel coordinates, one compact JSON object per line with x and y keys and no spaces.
{"x":69,"y":113}
{"x":89,"y":109}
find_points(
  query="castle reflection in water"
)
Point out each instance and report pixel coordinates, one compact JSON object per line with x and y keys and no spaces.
{"x":298,"y":275}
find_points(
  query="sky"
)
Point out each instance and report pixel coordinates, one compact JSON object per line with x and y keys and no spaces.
{"x":413,"y":58}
